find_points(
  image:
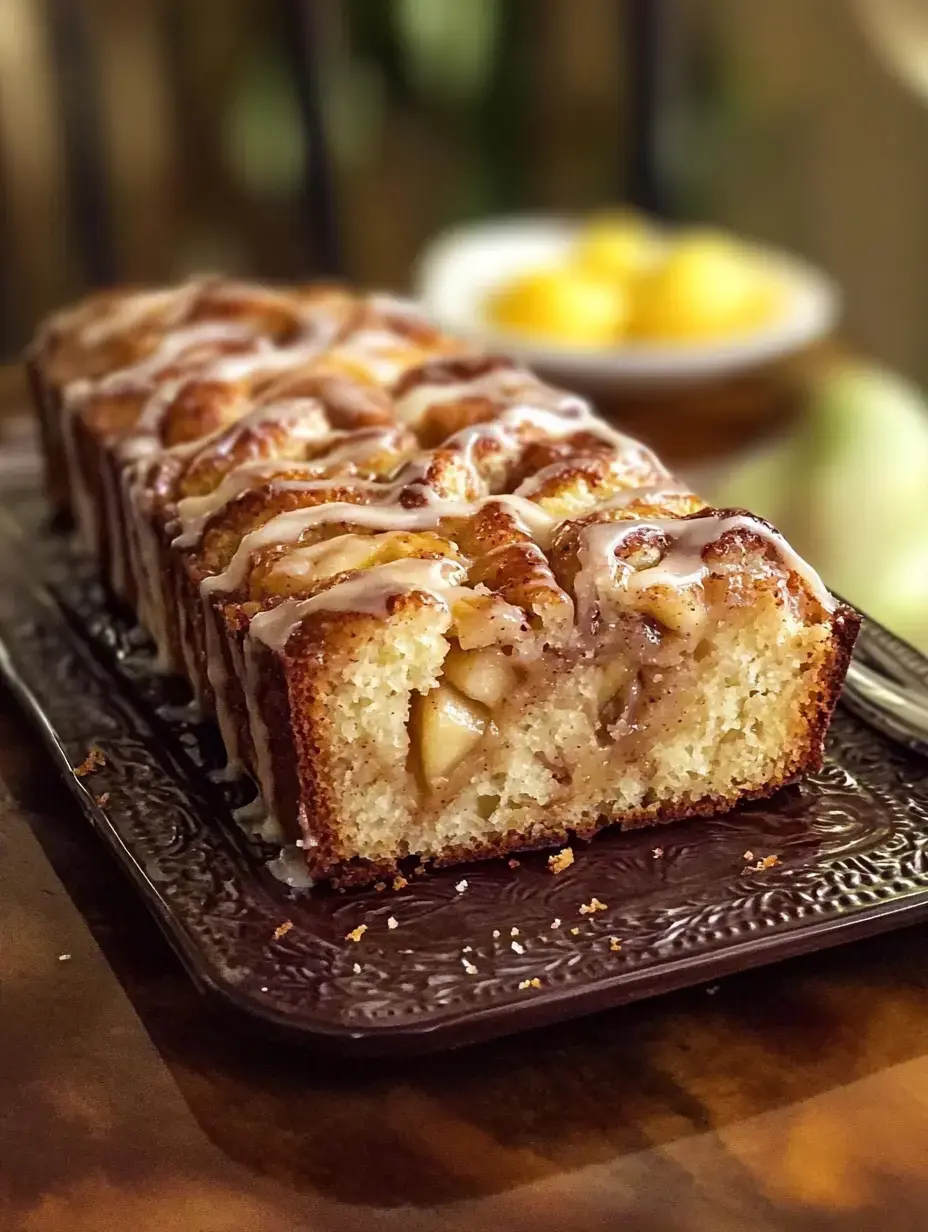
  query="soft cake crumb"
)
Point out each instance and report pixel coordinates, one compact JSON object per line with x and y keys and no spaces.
{"x":555,"y":923}
{"x":765,"y":862}
{"x":561,"y":859}
{"x":657,"y":852}
{"x":392,"y":922}
{"x":513,"y":932}
{"x":513,"y":863}
{"x":518,"y":947}
{"x":282,"y":929}
{"x":356,"y":933}
{"x":461,"y":886}
{"x":535,"y":982}
{"x":748,"y":855}
{"x":400,"y":883}
{"x":593,"y":905}
{"x":574,"y":931}
{"x":468,"y":966}
{"x":93,"y":761}
{"x":615,"y":944}
{"x":356,"y":968}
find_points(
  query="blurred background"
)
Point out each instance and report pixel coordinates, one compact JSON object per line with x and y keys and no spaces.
{"x":144,"y":139}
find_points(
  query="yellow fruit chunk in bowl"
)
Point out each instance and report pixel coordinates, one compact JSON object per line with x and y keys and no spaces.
{"x":708,"y":288}
{"x":567,"y":306}
{"x":619,"y":246}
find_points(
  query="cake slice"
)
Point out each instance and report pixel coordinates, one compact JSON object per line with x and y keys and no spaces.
{"x":440,"y":609}
{"x":632,"y":668}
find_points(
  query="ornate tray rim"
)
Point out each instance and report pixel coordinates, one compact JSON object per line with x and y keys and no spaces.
{"x":887,"y":898}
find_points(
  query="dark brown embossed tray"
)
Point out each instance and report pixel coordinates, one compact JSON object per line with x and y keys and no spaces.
{"x":683,"y":903}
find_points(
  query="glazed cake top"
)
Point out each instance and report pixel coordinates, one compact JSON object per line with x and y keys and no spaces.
{"x":417,"y":465}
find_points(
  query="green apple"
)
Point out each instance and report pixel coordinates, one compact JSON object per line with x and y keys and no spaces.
{"x":848,"y":486}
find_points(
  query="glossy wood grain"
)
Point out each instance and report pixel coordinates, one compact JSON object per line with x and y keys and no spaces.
{"x":794,"y":1098}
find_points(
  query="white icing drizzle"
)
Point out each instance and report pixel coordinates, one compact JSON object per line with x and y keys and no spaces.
{"x":264,"y":358}
{"x":289,"y":527}
{"x":254,"y":294}
{"x":218,"y":675}
{"x":499,"y":384}
{"x":192,"y":670}
{"x":383,"y":354}
{"x":681,"y":564}
{"x":182,"y":347}
{"x":154,"y":593}
{"x":290,"y":868}
{"x":256,"y":822}
{"x":260,"y":734}
{"x":388,"y":304}
{"x":387,"y":514}
{"x":505,"y":432}
{"x":174,"y":348}
{"x":170,"y":306}
{"x":356,"y":444}
{"x":534,"y":410}
{"x":139,"y":377}
{"x":194,"y":512}
{"x":367,"y":592}
{"x":121,"y":314}
{"x":654,"y":494}
{"x":143,"y":442}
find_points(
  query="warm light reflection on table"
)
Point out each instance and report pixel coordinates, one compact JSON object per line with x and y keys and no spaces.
{"x":792,"y":1098}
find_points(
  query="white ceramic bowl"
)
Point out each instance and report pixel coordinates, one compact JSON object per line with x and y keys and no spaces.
{"x":457,"y":271}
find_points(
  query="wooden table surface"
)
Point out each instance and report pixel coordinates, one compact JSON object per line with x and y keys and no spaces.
{"x":793,"y":1098}
{"x":790,"y":1098}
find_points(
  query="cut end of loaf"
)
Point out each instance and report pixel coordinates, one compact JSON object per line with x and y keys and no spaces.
{"x":575,"y":744}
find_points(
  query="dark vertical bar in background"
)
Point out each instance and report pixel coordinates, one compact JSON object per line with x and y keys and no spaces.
{"x":303,"y":34}
{"x":89,"y":213}
{"x":649,"y":48}
{"x":8,"y":321}
{"x":504,"y":112}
